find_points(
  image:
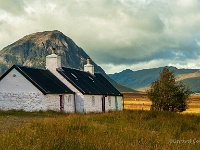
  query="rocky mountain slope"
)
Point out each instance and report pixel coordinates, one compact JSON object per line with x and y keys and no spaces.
{"x":32,"y":49}
{"x":142,"y":79}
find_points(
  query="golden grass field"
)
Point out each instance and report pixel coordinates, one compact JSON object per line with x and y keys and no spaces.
{"x":140,"y":101}
{"x":117,"y":130}
{"x":122,"y":130}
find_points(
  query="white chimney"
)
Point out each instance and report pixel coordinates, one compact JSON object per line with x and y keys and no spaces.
{"x":53,"y":61}
{"x":89,"y":67}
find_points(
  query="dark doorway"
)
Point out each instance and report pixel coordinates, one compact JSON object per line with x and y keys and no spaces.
{"x":103,"y":104}
{"x":61,"y":103}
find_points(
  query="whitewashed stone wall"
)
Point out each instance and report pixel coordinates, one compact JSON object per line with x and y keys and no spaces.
{"x":113,"y":103}
{"x":93,"y":103}
{"x":52,"y":102}
{"x":110,"y":103}
{"x":69,"y":104}
{"x":35,"y":101}
{"x":119,"y":103}
{"x":79,"y":100}
{"x":22,"y":101}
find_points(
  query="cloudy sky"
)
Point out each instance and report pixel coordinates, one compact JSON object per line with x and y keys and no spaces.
{"x":117,"y":34}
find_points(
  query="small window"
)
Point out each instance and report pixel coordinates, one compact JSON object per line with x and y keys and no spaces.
{"x":69,"y":99}
{"x":93,"y":101}
{"x":109,"y":100}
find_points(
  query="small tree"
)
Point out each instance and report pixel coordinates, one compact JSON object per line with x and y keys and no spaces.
{"x":167,"y":94}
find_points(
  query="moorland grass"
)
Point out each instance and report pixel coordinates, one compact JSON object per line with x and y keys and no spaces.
{"x":128,"y":129}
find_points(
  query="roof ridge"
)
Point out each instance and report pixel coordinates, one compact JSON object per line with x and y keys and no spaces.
{"x":72,"y":69}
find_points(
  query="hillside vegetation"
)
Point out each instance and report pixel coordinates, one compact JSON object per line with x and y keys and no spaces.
{"x":114,"y":130}
{"x":140,"y":80}
{"x":187,"y":76}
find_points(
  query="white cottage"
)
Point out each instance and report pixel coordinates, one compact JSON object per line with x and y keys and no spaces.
{"x":58,"y":88}
{"x":30,"y":89}
{"x":93,"y":92}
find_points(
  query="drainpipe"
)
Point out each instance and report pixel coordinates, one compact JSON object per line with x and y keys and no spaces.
{"x":74,"y":103}
{"x":123,"y":103}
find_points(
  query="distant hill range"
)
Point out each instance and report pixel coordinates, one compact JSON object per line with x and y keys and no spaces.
{"x":141,"y":80}
{"x":32,"y":50}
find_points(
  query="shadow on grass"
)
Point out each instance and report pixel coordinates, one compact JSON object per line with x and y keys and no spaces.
{"x":23,"y":113}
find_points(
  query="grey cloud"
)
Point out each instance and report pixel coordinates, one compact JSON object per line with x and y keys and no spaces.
{"x":128,"y":56}
{"x":15,"y":7}
{"x":117,"y":32}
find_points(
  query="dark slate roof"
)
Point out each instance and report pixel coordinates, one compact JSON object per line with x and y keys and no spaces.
{"x":44,"y":80}
{"x":87,"y":83}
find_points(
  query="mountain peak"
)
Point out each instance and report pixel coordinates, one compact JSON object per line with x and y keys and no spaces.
{"x":39,"y":37}
{"x":32,"y":49}
{"x":44,"y":33}
{"x":127,"y":71}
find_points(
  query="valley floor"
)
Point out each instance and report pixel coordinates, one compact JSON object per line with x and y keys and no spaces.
{"x":140,"y":101}
{"x":132,"y":128}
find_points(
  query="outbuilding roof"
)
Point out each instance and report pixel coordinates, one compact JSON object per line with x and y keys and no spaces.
{"x":44,"y":80}
{"x":88,"y":83}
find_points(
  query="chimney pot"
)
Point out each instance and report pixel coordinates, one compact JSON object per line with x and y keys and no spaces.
{"x":88,"y":60}
{"x":89,"y":67}
{"x":53,"y":61}
{"x":53,"y":50}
